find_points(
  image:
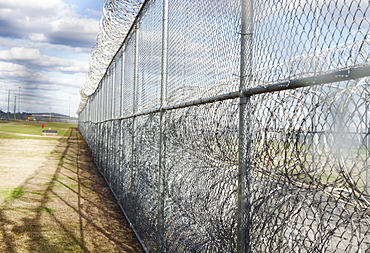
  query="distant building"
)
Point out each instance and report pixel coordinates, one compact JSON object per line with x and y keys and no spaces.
{"x":52,"y":117}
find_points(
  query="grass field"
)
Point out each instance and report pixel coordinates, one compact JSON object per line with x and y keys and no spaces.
{"x":22,"y":128}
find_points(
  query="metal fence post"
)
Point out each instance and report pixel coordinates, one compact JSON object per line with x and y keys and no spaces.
{"x":121,"y":136}
{"x":244,"y":207}
{"x":367,"y":143}
{"x":113,"y":87}
{"x":162,"y":126}
{"x":315,"y":100}
{"x":134,"y":110}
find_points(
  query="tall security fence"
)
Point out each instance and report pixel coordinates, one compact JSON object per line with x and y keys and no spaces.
{"x":239,"y":126}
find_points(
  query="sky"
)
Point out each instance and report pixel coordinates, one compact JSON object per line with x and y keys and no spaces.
{"x":45,"y":47}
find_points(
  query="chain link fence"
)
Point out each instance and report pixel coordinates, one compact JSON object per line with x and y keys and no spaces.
{"x":239,"y":126}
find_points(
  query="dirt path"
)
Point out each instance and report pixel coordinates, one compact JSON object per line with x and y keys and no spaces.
{"x":53,"y":199}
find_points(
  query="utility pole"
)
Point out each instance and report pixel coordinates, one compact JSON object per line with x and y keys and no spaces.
{"x":15,"y":107}
{"x":19,"y":100}
{"x":8,"y":103}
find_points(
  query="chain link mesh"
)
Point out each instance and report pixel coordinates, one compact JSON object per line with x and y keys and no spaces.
{"x":310,"y":177}
{"x":203,"y":48}
{"x":201,"y":178}
{"x":174,"y":135}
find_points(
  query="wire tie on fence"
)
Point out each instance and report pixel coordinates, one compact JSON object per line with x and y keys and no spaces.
{"x":237,"y":175}
{"x":245,"y":93}
{"x":244,"y":33}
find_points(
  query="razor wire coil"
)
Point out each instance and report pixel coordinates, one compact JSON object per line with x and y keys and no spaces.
{"x":201,"y":163}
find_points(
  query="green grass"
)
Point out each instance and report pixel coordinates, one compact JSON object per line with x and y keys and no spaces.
{"x":12,"y":194}
{"x":33,"y":128}
{"x":17,"y":192}
{"x":48,"y":210}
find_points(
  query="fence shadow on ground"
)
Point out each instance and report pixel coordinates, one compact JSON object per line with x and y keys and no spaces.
{"x":65,"y":206}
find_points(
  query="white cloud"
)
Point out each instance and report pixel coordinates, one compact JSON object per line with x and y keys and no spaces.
{"x":7,"y":43}
{"x":44,"y":45}
{"x":44,"y":49}
{"x":73,"y":31}
{"x":94,"y":12}
{"x":12,"y":71}
{"x":32,"y":58}
{"x":19,"y":53}
{"x":7,"y":67}
{"x":32,"y":8}
{"x":37,"y":37}
{"x":50,"y":21}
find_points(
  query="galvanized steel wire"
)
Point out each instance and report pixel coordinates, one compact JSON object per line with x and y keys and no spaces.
{"x":226,"y":126}
{"x":118,"y":16}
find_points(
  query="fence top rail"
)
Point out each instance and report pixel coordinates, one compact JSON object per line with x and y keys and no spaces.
{"x":338,"y":76}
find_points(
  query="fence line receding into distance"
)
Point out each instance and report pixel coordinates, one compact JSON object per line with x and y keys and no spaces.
{"x":239,"y":126}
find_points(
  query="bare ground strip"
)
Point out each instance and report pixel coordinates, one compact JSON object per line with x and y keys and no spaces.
{"x":53,"y":199}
